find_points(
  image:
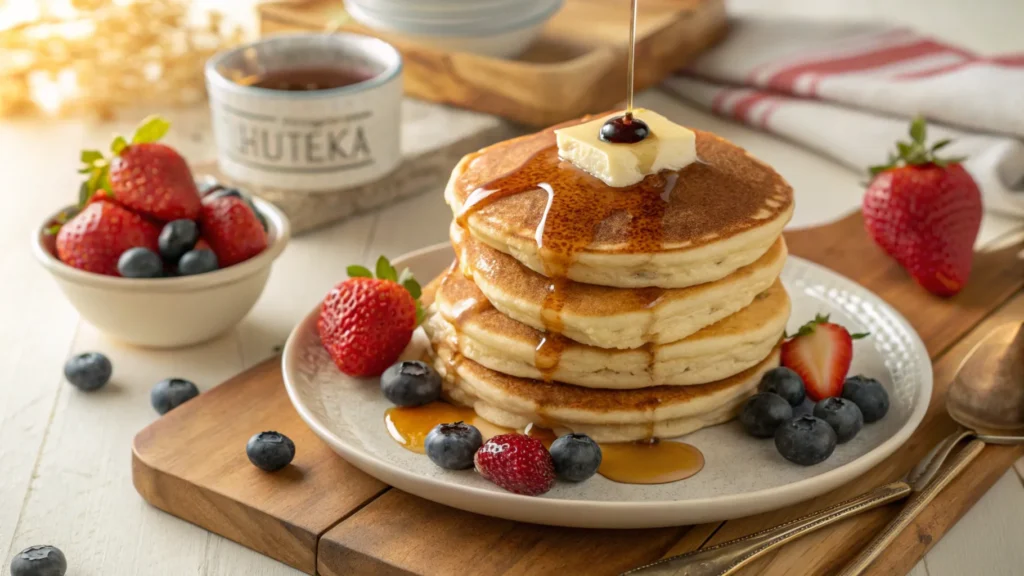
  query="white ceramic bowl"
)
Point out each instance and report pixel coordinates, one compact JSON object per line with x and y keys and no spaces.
{"x":168,"y":312}
{"x":499,"y":36}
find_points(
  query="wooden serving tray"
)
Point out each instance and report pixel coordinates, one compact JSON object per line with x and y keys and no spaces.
{"x":321,"y":515}
{"x":577,"y":66}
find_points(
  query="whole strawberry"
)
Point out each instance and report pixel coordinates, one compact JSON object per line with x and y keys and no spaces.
{"x":232,"y":228}
{"x":925,"y":212}
{"x":516,"y":462}
{"x":144,"y":176}
{"x":820,"y":353}
{"x":96,"y":237}
{"x":366,"y":322}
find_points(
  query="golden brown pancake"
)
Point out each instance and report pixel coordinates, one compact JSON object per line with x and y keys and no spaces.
{"x":612,"y":317}
{"x":464,"y":317}
{"x":605,"y":415}
{"x":673,"y":229}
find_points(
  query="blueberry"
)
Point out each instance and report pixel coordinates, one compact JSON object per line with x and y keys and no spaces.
{"x":842,"y":415}
{"x":170,"y":393}
{"x":805,"y":440}
{"x":869,"y":395}
{"x":452,"y":446}
{"x":176,"y":238}
{"x":140,"y":262}
{"x":785,"y":383}
{"x":88,"y":371}
{"x":39,"y":561}
{"x":197,"y":262}
{"x":270,"y":451}
{"x":410,"y":383}
{"x":577,"y":457}
{"x":764,"y":413}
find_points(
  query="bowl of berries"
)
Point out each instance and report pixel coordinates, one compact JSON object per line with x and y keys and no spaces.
{"x":152,"y":257}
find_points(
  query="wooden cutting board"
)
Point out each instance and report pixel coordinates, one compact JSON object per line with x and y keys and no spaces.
{"x":321,"y":515}
{"x":576,"y":66}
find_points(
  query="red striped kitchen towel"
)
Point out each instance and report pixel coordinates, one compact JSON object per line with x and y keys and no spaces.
{"x":848,"y":90}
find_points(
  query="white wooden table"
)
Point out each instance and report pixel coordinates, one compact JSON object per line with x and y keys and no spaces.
{"x":64,"y":456}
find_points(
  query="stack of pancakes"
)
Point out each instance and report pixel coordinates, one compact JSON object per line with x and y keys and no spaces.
{"x":622,"y":313}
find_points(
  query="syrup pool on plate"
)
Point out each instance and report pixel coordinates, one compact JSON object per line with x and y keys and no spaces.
{"x":410,"y":426}
{"x":657,"y":462}
{"x":653,"y":462}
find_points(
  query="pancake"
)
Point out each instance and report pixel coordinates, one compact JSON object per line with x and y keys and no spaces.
{"x":464,"y":318}
{"x":611,"y":317}
{"x":673,"y":229}
{"x":604,"y":415}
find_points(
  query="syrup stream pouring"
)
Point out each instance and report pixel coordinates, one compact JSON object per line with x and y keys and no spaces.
{"x":986,"y":398}
{"x":632,"y":57}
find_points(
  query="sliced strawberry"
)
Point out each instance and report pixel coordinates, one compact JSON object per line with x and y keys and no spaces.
{"x":820,"y":352}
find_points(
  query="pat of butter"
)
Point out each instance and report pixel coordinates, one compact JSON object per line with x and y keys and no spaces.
{"x":669,"y":146}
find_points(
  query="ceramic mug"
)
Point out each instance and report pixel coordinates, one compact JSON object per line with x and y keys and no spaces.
{"x":307,"y":140}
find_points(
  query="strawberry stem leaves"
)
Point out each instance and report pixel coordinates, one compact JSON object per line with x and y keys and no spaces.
{"x":152,"y":129}
{"x":118,"y":144}
{"x":385,"y":271}
{"x":91,"y":156}
{"x":918,"y":129}
{"x":359,"y":272}
{"x":916,"y":152}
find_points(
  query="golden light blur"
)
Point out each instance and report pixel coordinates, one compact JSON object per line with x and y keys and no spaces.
{"x":89,"y":57}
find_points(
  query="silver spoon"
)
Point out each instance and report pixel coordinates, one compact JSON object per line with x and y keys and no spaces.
{"x":986,"y":398}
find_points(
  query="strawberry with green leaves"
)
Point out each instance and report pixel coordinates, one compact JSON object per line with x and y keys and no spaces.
{"x":143,"y":175}
{"x":366,"y":322}
{"x":925,"y":211}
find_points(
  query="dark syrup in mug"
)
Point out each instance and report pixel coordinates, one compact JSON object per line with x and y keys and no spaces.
{"x":307,"y":79}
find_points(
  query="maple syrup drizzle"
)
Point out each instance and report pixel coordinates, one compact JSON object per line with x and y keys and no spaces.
{"x":578,"y":206}
{"x":649,"y":351}
{"x":463,"y":310}
{"x":548,"y":354}
{"x":632,"y":59}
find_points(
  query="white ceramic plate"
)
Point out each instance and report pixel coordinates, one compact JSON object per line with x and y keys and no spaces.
{"x":742,"y":475}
